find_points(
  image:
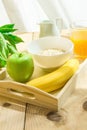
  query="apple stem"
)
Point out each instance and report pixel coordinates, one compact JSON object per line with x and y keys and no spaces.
{"x":20,"y":54}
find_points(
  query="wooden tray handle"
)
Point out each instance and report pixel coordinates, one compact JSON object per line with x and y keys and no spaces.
{"x":28,"y":94}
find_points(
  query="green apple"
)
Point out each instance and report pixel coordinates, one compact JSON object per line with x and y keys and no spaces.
{"x":20,"y":66}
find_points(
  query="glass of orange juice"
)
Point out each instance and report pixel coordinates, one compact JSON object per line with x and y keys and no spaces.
{"x":79,"y":39}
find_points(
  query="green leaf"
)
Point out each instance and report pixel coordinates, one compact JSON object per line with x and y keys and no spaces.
{"x":2,"y":63}
{"x":3,"y":47}
{"x":7,"y":30}
{"x":7,"y":26}
{"x":13,"y":39}
{"x":11,"y":48}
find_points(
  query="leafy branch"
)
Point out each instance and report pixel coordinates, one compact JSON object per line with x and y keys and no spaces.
{"x":8,"y":42}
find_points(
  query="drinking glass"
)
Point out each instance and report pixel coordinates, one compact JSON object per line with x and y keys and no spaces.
{"x":78,"y":36}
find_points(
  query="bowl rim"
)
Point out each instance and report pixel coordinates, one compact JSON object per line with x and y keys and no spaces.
{"x":66,"y":52}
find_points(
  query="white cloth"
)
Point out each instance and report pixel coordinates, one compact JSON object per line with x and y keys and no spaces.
{"x":26,"y":14}
{"x":4,"y":19}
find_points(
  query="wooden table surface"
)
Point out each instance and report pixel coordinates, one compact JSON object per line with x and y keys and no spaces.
{"x":72,"y":115}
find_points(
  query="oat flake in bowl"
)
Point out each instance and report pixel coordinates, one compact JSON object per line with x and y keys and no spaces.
{"x":51,"y":52}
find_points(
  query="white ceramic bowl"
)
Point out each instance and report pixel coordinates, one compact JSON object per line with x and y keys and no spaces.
{"x":53,"y":61}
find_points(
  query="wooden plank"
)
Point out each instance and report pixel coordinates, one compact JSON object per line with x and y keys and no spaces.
{"x":12,"y":116}
{"x":71,"y":116}
{"x":36,"y":119}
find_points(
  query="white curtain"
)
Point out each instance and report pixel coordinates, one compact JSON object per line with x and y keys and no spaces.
{"x":55,"y":9}
{"x":69,"y":10}
{"x":26,"y":14}
{"x":14,"y":14}
{"x":76,"y":9}
{"x":4,"y":19}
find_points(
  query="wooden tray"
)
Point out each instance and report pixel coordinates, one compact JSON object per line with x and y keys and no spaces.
{"x":27,"y":94}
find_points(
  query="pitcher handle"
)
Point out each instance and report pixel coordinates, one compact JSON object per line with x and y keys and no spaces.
{"x":59,"y":24}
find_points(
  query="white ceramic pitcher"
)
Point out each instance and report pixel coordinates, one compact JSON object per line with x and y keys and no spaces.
{"x":49,"y":28}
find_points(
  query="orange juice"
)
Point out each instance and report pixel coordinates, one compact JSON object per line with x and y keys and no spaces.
{"x":79,"y":38}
